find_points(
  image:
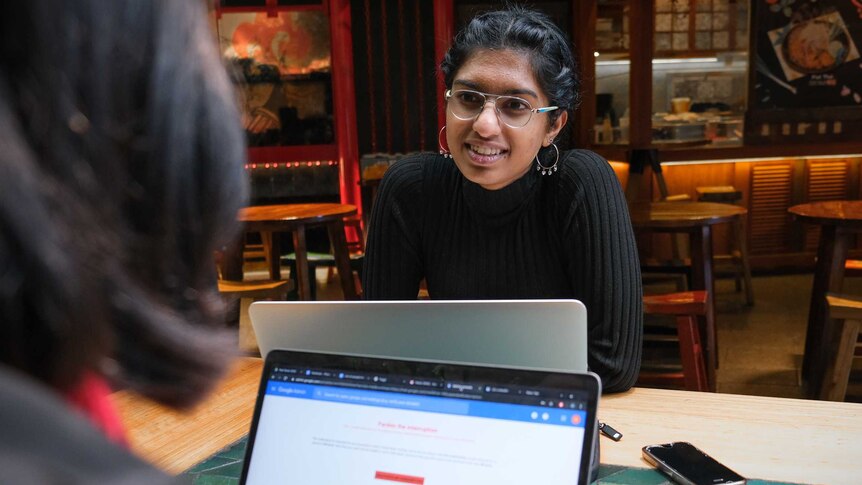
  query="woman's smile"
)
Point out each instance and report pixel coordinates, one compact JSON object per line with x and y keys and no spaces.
{"x":485,"y":154}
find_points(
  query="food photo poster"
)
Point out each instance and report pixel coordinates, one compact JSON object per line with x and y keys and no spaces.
{"x":805,"y":67}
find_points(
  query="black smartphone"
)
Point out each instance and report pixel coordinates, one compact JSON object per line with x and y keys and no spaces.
{"x":688,"y":465}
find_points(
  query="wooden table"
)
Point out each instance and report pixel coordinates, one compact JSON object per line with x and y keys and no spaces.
{"x":767,"y":438}
{"x":839,"y":221}
{"x":695,"y":219}
{"x":270,"y":220}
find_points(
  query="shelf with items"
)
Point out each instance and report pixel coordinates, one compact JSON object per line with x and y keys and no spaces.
{"x":699,"y":27}
{"x":612,"y":28}
{"x":682,"y":28}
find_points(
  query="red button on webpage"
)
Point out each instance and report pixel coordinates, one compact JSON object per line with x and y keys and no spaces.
{"x":397,"y":477}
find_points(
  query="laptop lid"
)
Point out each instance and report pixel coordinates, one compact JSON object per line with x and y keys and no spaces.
{"x":334,"y":419}
{"x":543,"y":334}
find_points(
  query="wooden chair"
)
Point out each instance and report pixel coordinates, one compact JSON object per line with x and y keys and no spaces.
{"x":678,"y":269}
{"x":846,"y":312}
{"x":250,"y":289}
{"x":687,"y":308}
{"x":246,"y":292}
{"x":327,"y":260}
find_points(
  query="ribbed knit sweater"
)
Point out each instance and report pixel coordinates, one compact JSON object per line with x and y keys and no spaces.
{"x":567,"y":235}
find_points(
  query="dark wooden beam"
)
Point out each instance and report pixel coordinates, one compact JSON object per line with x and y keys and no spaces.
{"x":640,"y":81}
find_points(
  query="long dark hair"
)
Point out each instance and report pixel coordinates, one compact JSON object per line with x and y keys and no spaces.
{"x":524,"y":30}
{"x":121,"y":160}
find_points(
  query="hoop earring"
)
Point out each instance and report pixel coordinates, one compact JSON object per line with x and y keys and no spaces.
{"x":443,"y":151}
{"x":553,"y":168}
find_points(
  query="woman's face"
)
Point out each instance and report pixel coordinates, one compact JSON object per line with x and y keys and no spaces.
{"x":487,"y":151}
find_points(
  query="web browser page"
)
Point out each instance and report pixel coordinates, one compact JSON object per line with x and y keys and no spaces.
{"x":333,"y":431}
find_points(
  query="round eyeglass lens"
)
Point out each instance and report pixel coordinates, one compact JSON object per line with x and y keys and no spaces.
{"x":513,"y":111}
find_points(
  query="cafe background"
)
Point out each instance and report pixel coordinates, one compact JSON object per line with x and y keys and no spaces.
{"x":760,"y":95}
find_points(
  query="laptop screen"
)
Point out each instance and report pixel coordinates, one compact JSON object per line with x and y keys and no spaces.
{"x":324,"y":418}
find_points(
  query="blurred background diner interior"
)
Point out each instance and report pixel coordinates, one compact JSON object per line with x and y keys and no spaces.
{"x":761,"y":346}
{"x":690,"y":101}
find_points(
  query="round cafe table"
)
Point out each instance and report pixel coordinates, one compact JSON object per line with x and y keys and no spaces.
{"x":271,"y":220}
{"x":695,"y":219}
{"x":839,"y":221}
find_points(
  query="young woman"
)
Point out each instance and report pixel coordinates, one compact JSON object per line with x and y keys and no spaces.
{"x":120,"y":173}
{"x":501,"y":212}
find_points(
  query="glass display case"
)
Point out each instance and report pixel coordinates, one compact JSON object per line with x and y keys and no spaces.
{"x":612,"y":73}
{"x":698,"y":65}
{"x":699,"y":72}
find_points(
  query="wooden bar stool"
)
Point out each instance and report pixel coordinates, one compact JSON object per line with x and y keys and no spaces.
{"x":846,"y":312}
{"x":245,"y":292}
{"x":687,"y":308}
{"x":257,"y":289}
{"x":248,"y":292}
{"x":738,"y":257}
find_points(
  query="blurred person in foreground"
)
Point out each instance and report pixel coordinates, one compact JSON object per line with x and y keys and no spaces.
{"x":502,"y":212}
{"x":121,"y":161}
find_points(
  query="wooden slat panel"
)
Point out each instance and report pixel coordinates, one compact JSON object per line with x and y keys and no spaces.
{"x":825,"y":180}
{"x":771,"y":190}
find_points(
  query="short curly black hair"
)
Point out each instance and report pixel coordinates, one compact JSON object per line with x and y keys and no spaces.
{"x":525,"y":30}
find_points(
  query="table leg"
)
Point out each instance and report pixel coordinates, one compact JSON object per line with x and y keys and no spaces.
{"x":828,"y":276}
{"x":342,"y":258}
{"x":272,"y":252}
{"x":702,"y":279}
{"x":299,"y":247}
{"x":742,"y":243}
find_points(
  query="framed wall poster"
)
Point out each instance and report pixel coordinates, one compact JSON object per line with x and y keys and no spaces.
{"x":805,"y":79}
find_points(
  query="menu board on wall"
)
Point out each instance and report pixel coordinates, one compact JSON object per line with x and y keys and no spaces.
{"x":805,"y":81}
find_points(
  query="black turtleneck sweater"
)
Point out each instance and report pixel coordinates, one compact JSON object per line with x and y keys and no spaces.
{"x":567,"y":235}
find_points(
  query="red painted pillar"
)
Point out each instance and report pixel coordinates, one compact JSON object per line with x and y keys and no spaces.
{"x":344,"y":102}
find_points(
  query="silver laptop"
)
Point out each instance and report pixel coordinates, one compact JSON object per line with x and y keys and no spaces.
{"x":536,"y":334}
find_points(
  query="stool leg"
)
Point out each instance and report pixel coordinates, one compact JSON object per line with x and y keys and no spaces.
{"x":837,"y":374}
{"x":691,"y":354}
{"x":342,"y":259}
{"x":266,"y":242}
{"x":301,"y":250}
{"x":246,"y":339}
{"x":742,"y":243}
{"x":710,"y":351}
{"x":311,"y":277}
{"x":312,"y":280}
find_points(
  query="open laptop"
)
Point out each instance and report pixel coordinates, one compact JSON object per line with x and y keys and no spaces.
{"x":539,"y":334}
{"x":327,"y":418}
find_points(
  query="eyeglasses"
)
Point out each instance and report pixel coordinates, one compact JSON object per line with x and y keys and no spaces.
{"x":511,"y":110}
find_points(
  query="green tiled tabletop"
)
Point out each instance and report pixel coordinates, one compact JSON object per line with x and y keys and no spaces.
{"x":225,"y":467}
